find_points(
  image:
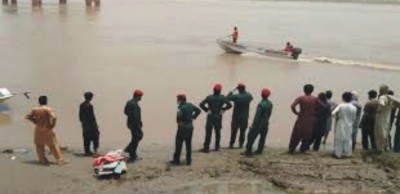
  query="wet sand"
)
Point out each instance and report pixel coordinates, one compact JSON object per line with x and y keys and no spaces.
{"x":217,"y":172}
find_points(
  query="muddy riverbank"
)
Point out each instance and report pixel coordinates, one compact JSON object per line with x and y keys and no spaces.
{"x":217,"y":172}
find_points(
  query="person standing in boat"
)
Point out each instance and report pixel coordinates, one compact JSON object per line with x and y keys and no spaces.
{"x":235,"y":34}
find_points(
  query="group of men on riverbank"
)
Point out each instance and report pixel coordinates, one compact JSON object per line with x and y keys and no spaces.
{"x":214,"y":105}
{"x":315,"y":115}
{"x":314,"y":122}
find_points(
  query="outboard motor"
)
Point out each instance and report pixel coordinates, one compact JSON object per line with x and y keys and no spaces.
{"x":296,"y":52}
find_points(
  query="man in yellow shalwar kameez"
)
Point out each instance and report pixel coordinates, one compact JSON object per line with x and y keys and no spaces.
{"x":45,"y":120}
{"x":382,"y":118}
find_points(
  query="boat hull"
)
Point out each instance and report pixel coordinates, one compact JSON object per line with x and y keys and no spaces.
{"x":5,"y":94}
{"x":231,"y":47}
{"x":273,"y":53}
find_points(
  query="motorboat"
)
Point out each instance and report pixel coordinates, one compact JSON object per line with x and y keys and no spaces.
{"x":5,"y":94}
{"x":240,"y":48}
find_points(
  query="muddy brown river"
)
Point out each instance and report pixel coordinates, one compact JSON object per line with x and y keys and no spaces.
{"x":169,"y":47}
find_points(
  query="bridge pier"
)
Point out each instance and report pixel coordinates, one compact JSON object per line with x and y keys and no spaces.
{"x":36,"y":3}
{"x":92,"y":2}
{"x":13,"y":2}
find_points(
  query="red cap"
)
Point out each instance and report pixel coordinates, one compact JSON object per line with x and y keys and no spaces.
{"x":241,"y":85}
{"x":265,"y":92}
{"x":181,"y":97}
{"x":138,"y":92}
{"x":217,"y":87}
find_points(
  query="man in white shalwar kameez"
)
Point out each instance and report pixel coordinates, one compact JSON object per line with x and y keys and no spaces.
{"x":382,"y":118}
{"x":345,"y":114}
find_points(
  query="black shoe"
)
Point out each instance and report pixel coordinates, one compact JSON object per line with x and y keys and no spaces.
{"x":134,"y":159}
{"x":258,"y":152}
{"x":188,"y":163}
{"x":240,"y":146}
{"x":204,"y":150}
{"x":88,"y":154}
{"x":126,"y":150}
{"x":247,"y":154}
{"x":174,"y":162}
{"x":230,"y":146}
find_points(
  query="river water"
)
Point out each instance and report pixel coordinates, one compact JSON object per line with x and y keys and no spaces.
{"x":168,"y":47}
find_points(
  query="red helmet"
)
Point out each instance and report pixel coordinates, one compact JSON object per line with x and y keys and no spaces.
{"x":138,"y":92}
{"x":181,"y":97}
{"x":241,"y":85}
{"x":265,"y":92}
{"x":217,"y":87}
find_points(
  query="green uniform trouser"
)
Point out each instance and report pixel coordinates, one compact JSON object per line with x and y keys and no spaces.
{"x":183,"y":135}
{"x":238,"y":123}
{"x":214,"y":121}
{"x":253,"y":133}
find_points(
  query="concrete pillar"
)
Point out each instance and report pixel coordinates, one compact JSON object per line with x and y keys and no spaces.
{"x":36,"y":2}
{"x":88,"y":2}
{"x":63,"y":1}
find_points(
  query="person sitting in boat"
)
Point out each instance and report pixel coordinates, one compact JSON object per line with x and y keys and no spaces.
{"x":235,"y":34}
{"x":289,"y":48}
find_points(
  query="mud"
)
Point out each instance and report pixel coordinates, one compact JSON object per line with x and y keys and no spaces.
{"x":217,"y":172}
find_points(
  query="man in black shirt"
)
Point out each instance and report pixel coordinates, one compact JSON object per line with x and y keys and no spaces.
{"x":89,"y":125}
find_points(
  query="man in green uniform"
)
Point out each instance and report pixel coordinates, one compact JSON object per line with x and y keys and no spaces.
{"x":215,"y":105}
{"x":260,"y":124}
{"x":187,"y":112}
{"x":240,"y":114}
{"x":134,"y":123}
